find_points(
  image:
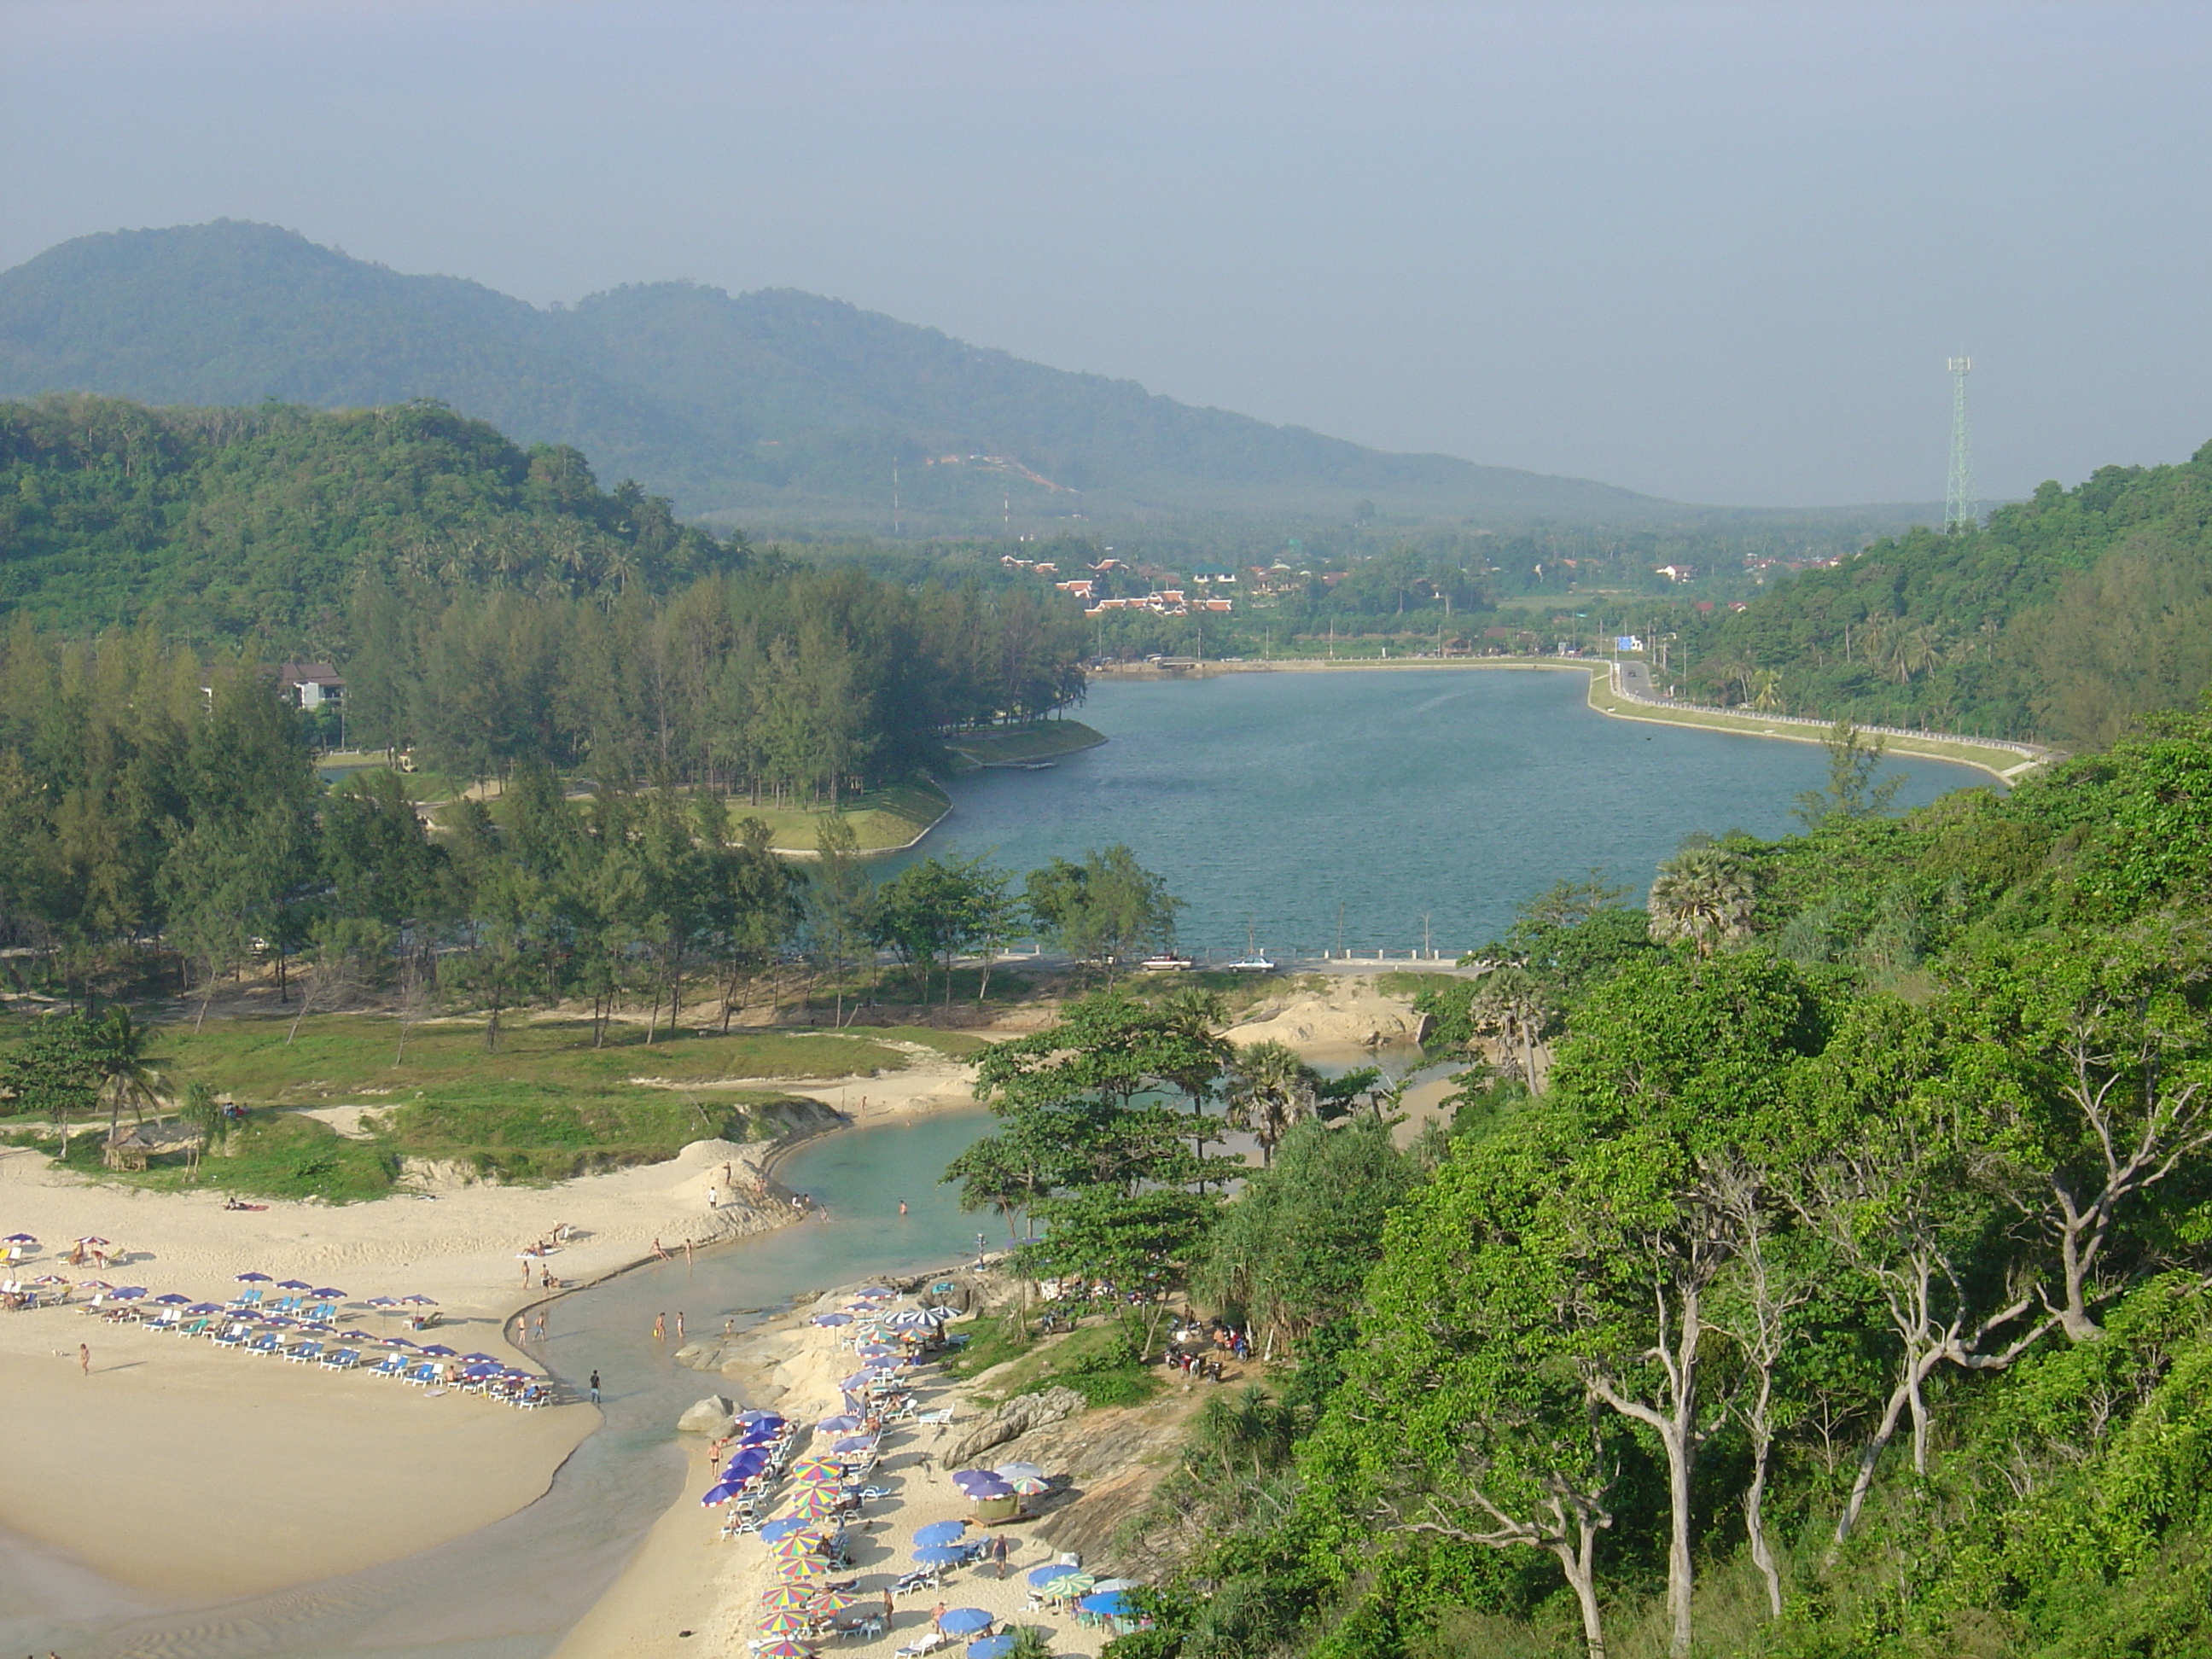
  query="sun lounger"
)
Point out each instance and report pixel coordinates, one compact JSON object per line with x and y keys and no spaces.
{"x":921,"y":1578}
{"x":230,"y":1336}
{"x":269,"y":1342}
{"x":941,"y":1415}
{"x":304,"y":1353}
{"x":390,"y":1365}
{"x":928,"y":1642}
{"x":340,"y":1360}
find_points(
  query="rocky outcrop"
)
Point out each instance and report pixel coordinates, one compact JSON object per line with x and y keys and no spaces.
{"x":709,"y":1416}
{"x":1016,"y":1418}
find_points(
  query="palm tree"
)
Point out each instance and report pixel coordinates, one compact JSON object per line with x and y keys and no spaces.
{"x":197,"y":1106}
{"x":129,"y":1073}
{"x":1511,"y":1007}
{"x":1702,"y":896}
{"x":1270,"y":1091}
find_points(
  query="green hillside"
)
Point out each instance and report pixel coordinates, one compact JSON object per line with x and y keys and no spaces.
{"x":779,"y":406}
{"x":216,"y":523}
{"x":2067,"y":615}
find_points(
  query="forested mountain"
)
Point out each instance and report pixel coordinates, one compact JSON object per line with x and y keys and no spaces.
{"x":2067,"y":615}
{"x":779,"y":406}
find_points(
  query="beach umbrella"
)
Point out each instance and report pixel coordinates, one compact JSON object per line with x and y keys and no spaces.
{"x":837,"y":1425}
{"x":859,"y":1443}
{"x":293,"y":1284}
{"x":745,"y":1463}
{"x":814,"y":1505}
{"x":419,"y":1301}
{"x":836,"y":1600}
{"x":170,"y":1299}
{"x":802,"y":1567}
{"x":818,"y":1476}
{"x":907,"y":1319}
{"x":785,"y":1622}
{"x":940,"y":1532}
{"x":718,"y":1495}
{"x":439,"y":1351}
{"x":783,"y":1650}
{"x":1068,"y":1581}
{"x":24,"y":1238}
{"x":992,"y":1647}
{"x":972,"y":1481}
{"x":966,"y":1621}
{"x":94,"y":1284}
{"x":776,"y":1531}
{"x":1018,"y":1471}
{"x":875,"y":1293}
{"x":483,"y":1358}
{"x":789,"y":1598}
{"x":129,"y":1293}
{"x":1040,"y":1577}
{"x":1106,"y":1584}
{"x":793,"y":1546}
{"x":383,"y":1302}
{"x":205,"y":1308}
{"x":857,"y":1380}
{"x":251,"y":1278}
{"x":94,"y":1239}
{"x":987,"y":1491}
{"x":50,"y":1278}
{"x":833,"y":1320}
{"x":1029,"y":1486}
{"x":1113,"y":1604}
{"x":755,"y":1417}
{"x":326,"y":1294}
{"x":940,"y":1555}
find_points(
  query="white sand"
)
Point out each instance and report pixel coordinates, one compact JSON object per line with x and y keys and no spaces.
{"x":124,"y":1467}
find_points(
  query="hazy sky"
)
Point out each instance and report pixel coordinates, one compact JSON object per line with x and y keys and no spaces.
{"x":1717,"y":252}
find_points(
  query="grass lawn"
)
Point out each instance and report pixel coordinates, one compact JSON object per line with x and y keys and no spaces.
{"x":1097,"y":1360}
{"x":883,"y":820}
{"x":1037,"y":740}
{"x":546,"y":1105}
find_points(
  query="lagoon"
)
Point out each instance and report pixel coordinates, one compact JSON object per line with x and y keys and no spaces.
{"x":1442,"y":796}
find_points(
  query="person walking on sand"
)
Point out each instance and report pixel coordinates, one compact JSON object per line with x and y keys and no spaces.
{"x":595,"y":1388}
{"x":84,"y":1358}
{"x":713,"y":1197}
{"x":660,"y":1327}
{"x":937,"y":1619}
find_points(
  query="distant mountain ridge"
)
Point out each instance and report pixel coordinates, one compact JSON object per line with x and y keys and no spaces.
{"x":776,"y":406}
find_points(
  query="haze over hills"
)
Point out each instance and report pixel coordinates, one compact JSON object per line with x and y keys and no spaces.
{"x":776,"y":406}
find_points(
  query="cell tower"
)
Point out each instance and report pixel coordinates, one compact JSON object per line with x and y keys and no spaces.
{"x":1961,"y":509}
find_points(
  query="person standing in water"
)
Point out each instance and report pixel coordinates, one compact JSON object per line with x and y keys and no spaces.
{"x":660,"y":1327}
{"x":902,"y":1206}
{"x":679,"y":1324}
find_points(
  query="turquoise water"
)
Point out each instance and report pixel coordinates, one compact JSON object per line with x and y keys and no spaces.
{"x":1452,"y":793}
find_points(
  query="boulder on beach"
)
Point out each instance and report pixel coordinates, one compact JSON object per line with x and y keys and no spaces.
{"x":709,"y":1416}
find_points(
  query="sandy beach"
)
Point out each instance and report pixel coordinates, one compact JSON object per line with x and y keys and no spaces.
{"x":117,"y":1468}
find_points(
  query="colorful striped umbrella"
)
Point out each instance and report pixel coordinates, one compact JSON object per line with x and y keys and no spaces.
{"x":786,"y":1622}
{"x":783,"y":1650}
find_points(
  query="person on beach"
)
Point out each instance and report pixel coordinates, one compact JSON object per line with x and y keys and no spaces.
{"x":714,"y":1196}
{"x":730,"y":1327}
{"x":679,"y":1324}
{"x":889,"y":1611}
{"x":84,"y":1358}
{"x":937,"y":1619}
{"x":660,"y":1327}
{"x":658,"y":1251}
{"x":595,"y":1388}
{"x":999,"y":1554}
{"x":526,"y":1273}
{"x":902,"y":1206}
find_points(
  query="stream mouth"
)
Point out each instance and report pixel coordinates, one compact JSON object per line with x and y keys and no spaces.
{"x":512,"y":1590}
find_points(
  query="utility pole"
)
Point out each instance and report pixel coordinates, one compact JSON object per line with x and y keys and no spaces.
{"x":1961,"y":510}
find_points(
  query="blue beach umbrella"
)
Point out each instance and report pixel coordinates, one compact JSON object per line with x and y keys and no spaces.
{"x":1052,"y":1570}
{"x":759,"y":1419}
{"x":437,"y":1350}
{"x":833,"y":1320}
{"x":205,"y":1308}
{"x":327,"y":1294}
{"x":1111,"y":1604}
{"x":744,"y":1465}
{"x":252,"y":1279}
{"x":170,"y":1299}
{"x":837,"y":1425}
{"x":293,"y":1284}
{"x":719,"y":1494}
{"x":941,"y":1532}
{"x":940,"y":1555}
{"x":966,"y":1621}
{"x":992,"y":1647}
{"x":129,"y":1293}
{"x":875,"y":1293}
{"x":858,"y":1442}
{"x":775,"y":1531}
